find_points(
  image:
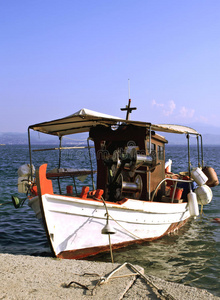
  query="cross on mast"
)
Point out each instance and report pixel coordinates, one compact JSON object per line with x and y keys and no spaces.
{"x":128,"y":109}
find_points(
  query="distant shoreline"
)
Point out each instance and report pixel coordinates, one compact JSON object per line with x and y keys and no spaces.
{"x":84,"y":144}
{"x":10,"y":138}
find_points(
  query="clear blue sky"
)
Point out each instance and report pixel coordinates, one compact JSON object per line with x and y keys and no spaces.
{"x":59,"y":56}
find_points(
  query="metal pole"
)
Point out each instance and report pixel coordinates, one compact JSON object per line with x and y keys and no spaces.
{"x":58,"y":179}
{"x":197,"y":137}
{"x":174,"y":191}
{"x":189,"y":163}
{"x":74,"y":182}
{"x":29,"y":143}
{"x":202,"y":151}
{"x":149,"y":177}
{"x":90,"y":158}
{"x":60,"y":138}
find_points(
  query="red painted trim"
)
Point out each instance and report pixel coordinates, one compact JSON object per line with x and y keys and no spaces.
{"x":83,"y":253}
{"x":46,"y":186}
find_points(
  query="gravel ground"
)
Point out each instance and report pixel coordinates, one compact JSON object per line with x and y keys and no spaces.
{"x":28,"y":277}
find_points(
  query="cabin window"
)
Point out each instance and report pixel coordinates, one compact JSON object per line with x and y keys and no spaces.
{"x":160,"y":152}
{"x":153,"y":147}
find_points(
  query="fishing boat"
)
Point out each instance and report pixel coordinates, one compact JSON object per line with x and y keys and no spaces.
{"x":133,"y":197}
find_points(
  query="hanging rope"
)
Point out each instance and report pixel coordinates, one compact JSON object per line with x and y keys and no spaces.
{"x":107,"y":219}
{"x":110,"y":247}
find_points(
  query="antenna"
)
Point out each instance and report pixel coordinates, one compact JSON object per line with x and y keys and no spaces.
{"x":128,"y":108}
{"x":129,"y":89}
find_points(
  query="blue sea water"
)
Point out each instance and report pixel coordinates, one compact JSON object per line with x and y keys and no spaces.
{"x":190,"y":256}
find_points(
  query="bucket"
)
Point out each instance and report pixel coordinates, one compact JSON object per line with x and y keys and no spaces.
{"x":178,"y":193}
{"x":69,"y":189}
{"x":199,"y":177}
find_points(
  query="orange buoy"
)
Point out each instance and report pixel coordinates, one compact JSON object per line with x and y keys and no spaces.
{"x":217,"y":220}
{"x":212,"y":176}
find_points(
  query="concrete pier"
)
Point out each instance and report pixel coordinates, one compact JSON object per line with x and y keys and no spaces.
{"x":28,"y":277}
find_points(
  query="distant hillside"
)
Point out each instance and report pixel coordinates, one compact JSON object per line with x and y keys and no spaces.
{"x":211,"y":136}
{"x":205,"y":129}
{"x":11,"y":138}
{"x":179,"y":139}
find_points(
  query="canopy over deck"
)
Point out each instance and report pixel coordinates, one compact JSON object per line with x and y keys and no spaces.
{"x":84,"y":119}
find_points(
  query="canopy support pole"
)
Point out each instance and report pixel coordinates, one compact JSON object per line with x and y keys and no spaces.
{"x":202,"y":151}
{"x":197,"y":137}
{"x":60,"y":145}
{"x":58,"y":180}
{"x":189,"y":163}
{"x":90,"y":158}
{"x":149,"y":177}
{"x":29,"y":143}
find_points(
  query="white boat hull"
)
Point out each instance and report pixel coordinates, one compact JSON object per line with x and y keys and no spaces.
{"x":73,"y":225}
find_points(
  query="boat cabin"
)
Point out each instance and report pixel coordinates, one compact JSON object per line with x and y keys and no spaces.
{"x":130,"y":161}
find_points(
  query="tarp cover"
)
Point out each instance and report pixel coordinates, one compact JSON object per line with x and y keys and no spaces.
{"x":84,"y":119}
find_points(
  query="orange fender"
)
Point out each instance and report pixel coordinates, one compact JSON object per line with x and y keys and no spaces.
{"x":217,"y":220}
